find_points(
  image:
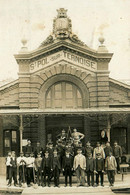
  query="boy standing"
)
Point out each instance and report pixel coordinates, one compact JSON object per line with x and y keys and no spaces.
{"x":8,"y":166}
{"x":30,"y":169}
{"x":37,"y":163}
{"x":117,"y":153}
{"x":90,"y":168}
{"x":110,"y":166}
{"x":46,"y":168}
{"x":99,"y":169}
{"x":56,"y":168}
{"x":68,"y":167}
{"x":21,"y":163}
{"x":80,"y":167}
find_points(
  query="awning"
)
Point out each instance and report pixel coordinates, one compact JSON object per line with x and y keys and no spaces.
{"x":103,"y":110}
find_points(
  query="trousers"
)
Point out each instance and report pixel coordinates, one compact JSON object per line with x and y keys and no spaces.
{"x":80,"y":173}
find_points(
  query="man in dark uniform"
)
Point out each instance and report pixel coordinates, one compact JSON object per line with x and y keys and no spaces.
{"x":68,"y":167}
{"x":56,"y":168}
{"x":46,"y":167}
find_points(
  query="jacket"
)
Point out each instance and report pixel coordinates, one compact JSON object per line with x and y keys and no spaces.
{"x":56,"y":162}
{"x":79,"y":159}
{"x":37,"y":163}
{"x":110,"y":163}
{"x":67,"y":161}
{"x":46,"y":162}
{"x":13,"y":162}
{"x":117,"y":151}
{"x":107,"y":149}
{"x":88,"y":150}
{"x":100,"y":164}
{"x":90,"y":164}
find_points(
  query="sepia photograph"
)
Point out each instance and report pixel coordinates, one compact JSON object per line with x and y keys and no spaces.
{"x":64,"y":97}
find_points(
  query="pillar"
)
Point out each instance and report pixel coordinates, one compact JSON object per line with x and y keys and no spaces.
{"x":42,"y":131}
{"x":21,"y":132}
{"x":87,"y":129}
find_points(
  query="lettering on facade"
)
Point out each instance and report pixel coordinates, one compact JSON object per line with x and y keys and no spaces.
{"x":39,"y":64}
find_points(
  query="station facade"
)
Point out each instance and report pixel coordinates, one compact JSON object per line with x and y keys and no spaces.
{"x":63,"y":84}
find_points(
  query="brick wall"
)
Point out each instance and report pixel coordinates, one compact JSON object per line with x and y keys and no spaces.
{"x":118,"y":95}
{"x":10,"y":96}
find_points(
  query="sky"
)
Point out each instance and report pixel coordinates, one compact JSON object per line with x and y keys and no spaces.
{"x":33,"y":20}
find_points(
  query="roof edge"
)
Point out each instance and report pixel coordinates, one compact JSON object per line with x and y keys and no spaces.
{"x":9,"y":84}
{"x":119,"y":83}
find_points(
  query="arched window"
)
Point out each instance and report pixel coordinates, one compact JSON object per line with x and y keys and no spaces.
{"x":64,"y":95}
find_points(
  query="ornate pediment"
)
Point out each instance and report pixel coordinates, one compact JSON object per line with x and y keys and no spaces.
{"x":62,"y":29}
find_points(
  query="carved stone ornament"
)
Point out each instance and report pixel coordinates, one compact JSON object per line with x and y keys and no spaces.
{"x":62,"y":24}
{"x":74,"y":38}
{"x":62,"y":29}
{"x":48,"y":40}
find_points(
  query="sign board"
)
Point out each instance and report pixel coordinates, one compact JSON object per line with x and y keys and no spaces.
{"x":63,"y":55}
{"x":24,"y":142}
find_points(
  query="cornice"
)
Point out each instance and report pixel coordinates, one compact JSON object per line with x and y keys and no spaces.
{"x":7,"y":85}
{"x":63,"y":45}
{"x":119,"y":84}
{"x":9,"y":88}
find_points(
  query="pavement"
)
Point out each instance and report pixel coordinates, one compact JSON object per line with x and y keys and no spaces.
{"x":119,"y":186}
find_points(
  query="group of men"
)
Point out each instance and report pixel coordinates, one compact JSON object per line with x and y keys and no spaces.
{"x":39,"y":166}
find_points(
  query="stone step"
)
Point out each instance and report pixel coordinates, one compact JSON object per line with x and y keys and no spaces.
{"x":68,"y":191}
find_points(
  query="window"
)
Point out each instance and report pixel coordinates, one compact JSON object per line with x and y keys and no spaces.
{"x":64,"y":95}
{"x":10,"y":141}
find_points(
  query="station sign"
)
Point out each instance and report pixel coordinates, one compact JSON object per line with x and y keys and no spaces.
{"x":63,"y":55}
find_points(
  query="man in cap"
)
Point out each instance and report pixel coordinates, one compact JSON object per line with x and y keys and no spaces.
{"x":30,"y":169}
{"x":56,"y":168}
{"x":117,"y":153}
{"x":50,"y":149}
{"x":28,"y":148}
{"x":79,"y":166}
{"x":107,"y":149}
{"x":98,"y":150}
{"x":38,"y":149}
{"x":46,"y":167}
{"x":90,"y":168}
{"x":88,"y":149}
{"x":37,"y":163}
{"x":13,"y":169}
{"x":21,"y":163}
{"x":110,"y":167}
{"x":99,"y":169}
{"x":63,"y":136}
{"x":67,"y":167}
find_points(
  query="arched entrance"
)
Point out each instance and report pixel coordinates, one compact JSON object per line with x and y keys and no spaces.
{"x":63,"y":92}
{"x":64,"y":95}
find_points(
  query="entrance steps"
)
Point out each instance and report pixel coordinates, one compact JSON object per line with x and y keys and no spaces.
{"x":68,"y":191}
